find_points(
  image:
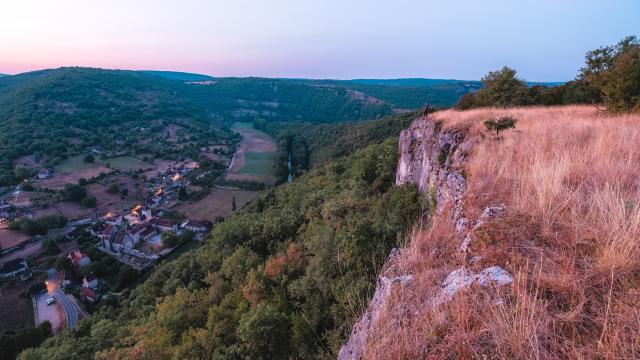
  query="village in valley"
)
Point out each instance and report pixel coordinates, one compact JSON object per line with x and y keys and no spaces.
{"x":78,"y":234}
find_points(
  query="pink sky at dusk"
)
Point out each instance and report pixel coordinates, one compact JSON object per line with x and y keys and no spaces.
{"x":545,"y":40}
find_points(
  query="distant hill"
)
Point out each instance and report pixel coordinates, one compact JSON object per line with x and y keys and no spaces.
{"x":52,"y":114}
{"x":405,"y":93}
{"x":177,"y":75}
{"x":410,"y":82}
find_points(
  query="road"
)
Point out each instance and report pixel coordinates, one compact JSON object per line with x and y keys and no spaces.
{"x":69,"y":306}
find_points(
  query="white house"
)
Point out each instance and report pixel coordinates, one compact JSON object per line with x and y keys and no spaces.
{"x":122,"y":242}
{"x":44,"y":174}
{"x":197,"y":226}
{"x":78,"y":258}
{"x":90,"y":281}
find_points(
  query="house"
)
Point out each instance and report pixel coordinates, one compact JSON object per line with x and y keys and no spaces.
{"x":43,"y":174}
{"x":63,"y":278}
{"x":107,"y":232}
{"x":197,"y":226}
{"x":88,"y":294}
{"x":78,"y":258}
{"x":123,"y":242}
{"x":110,"y":237}
{"x":148,"y":233}
{"x":137,"y":230}
{"x":110,"y":217}
{"x":14,"y":268}
{"x":138,"y":215}
{"x":165,"y":225}
{"x":90,"y":281}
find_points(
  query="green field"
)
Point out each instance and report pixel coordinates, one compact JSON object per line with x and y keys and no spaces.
{"x":242,"y":125}
{"x":74,"y":164}
{"x":126,"y":163}
{"x":258,"y":164}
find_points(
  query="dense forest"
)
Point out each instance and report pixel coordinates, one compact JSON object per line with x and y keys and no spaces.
{"x":284,"y":278}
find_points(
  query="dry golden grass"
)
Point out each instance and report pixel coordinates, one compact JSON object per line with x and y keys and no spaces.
{"x":570,"y":179}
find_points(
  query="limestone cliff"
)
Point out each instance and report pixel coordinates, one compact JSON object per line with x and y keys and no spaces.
{"x":432,"y":157}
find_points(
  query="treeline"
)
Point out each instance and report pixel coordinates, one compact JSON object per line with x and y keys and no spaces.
{"x":611,"y":76}
{"x":310,"y":144}
{"x":284,"y":278}
{"x":12,"y":342}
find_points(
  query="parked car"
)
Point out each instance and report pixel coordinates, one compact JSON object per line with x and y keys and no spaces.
{"x":51,"y":300}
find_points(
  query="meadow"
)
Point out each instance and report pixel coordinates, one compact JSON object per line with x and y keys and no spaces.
{"x":126,"y":163}
{"x":568,"y":178}
{"x":255,"y":156}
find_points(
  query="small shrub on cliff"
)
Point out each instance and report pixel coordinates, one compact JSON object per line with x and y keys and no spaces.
{"x":500,"y":124}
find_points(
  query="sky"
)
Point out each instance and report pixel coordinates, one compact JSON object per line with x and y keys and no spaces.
{"x":461,"y":39}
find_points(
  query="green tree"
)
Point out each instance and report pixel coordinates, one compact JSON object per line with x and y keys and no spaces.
{"x":265,"y":333}
{"x":74,"y":193}
{"x":50,"y":247}
{"x":89,"y":202}
{"x":113,"y":188}
{"x":233,"y":203}
{"x":615,"y":72}
{"x":169,"y":239}
{"x":23,"y":172}
{"x":182,"y":193}
{"x":502,"y":88}
{"x":26,"y":186}
{"x":503,"y":123}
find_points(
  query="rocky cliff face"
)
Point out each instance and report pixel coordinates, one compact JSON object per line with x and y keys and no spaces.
{"x":433,"y":158}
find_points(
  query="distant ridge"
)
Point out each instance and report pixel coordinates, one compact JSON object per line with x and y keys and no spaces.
{"x":419,"y":82}
{"x":177,"y":75}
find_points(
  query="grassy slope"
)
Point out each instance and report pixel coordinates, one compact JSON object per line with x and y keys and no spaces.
{"x":568,"y":178}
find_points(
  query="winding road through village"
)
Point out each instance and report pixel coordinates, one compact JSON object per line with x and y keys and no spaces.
{"x":71,"y":308}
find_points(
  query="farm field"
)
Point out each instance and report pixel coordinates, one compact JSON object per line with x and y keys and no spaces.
{"x":11,"y":238}
{"x":254,"y":158}
{"x":15,"y":309}
{"x":75,"y":163}
{"x":70,"y":171}
{"x":126,"y":163}
{"x":258,"y":164}
{"x":217,"y":203}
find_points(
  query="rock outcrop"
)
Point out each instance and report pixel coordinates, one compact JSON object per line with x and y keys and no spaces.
{"x":433,"y":158}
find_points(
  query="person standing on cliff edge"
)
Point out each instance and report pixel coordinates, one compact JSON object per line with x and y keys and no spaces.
{"x":426,"y":111}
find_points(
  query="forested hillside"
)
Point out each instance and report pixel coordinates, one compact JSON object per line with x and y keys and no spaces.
{"x":50,"y":115}
{"x":53,"y":114}
{"x":177,"y":75}
{"x":283,"y":279}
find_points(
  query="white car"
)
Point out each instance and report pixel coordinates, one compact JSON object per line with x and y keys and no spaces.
{"x":51,"y":300}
